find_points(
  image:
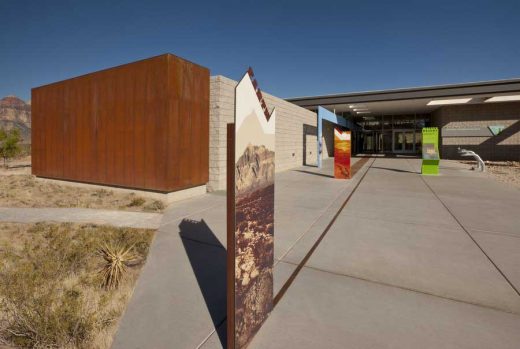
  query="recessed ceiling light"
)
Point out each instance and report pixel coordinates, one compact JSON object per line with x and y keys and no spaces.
{"x":351,"y":106}
{"x":363,"y":112}
{"x":449,"y":101}
{"x":360,"y":109}
{"x":503,"y":98}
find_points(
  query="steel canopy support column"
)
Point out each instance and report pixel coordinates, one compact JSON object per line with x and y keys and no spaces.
{"x":320,"y":138}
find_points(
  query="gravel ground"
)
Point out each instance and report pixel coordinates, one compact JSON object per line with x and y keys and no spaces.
{"x":502,"y":171}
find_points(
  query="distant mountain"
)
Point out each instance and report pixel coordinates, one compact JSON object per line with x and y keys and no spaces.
{"x":14,"y":112}
{"x":254,"y":169}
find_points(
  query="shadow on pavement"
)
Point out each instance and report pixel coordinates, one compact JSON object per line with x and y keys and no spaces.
{"x":209,"y":268}
{"x":393,"y":169}
{"x":315,"y":173}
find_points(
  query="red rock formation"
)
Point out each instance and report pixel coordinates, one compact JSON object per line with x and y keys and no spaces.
{"x":14,"y":112}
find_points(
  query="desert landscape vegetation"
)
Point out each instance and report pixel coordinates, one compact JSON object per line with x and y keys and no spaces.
{"x":55,"y":291}
{"x":21,"y":189}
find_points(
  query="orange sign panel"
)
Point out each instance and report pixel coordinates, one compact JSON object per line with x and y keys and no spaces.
{"x":342,"y":154}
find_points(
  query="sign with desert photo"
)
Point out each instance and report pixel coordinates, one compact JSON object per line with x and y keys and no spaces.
{"x":252,"y":239}
{"x":341,"y":154}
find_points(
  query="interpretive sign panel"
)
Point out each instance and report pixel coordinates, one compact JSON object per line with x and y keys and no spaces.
{"x":430,"y":151}
{"x":250,"y":243}
{"x":341,"y":154}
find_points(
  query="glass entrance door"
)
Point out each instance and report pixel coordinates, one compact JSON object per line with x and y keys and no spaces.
{"x":387,"y":141}
{"x":403,"y":141}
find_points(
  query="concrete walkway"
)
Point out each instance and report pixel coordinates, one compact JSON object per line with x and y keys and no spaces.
{"x":411,"y":261}
{"x":116,"y":218}
{"x":180,"y":297}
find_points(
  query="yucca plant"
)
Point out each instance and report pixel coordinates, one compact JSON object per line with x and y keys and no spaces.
{"x":117,"y":259}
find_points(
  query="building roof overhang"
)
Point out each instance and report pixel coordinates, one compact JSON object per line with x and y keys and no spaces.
{"x":411,"y":100}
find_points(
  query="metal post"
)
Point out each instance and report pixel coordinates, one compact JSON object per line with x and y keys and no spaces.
{"x":320,"y":145}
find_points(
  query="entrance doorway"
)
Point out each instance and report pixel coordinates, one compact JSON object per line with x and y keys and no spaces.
{"x":399,"y":134}
{"x":376,"y":142}
{"x":403,"y":141}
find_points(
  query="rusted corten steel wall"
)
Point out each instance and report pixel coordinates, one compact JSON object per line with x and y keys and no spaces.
{"x":141,"y":125}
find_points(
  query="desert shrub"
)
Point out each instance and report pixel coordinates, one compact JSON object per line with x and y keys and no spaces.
{"x":9,"y":144}
{"x":155,"y":205}
{"x":50,"y":294}
{"x":136,"y":202}
{"x":117,"y":259}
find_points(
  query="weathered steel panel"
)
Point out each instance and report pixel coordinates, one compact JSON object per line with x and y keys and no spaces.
{"x":141,"y":125}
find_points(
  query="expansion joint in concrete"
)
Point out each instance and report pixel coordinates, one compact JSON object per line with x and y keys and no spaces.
{"x":306,"y":258}
{"x":469,"y":235}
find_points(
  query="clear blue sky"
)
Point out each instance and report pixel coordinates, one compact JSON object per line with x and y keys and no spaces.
{"x":295,"y":47}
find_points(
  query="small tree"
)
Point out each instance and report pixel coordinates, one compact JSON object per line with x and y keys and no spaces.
{"x":9,"y":144}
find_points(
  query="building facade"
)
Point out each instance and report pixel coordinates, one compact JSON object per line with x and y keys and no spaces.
{"x":160,"y":124}
{"x":483,"y":117}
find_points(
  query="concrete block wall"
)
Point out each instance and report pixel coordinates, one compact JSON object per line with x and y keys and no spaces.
{"x":504,"y":146}
{"x":295,"y":131}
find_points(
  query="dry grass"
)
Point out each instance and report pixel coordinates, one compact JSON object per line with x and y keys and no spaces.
{"x":51,"y":294}
{"x":25,"y":190}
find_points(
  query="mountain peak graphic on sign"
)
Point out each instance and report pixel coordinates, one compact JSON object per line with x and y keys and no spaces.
{"x":250,"y":115}
{"x":343,"y":136}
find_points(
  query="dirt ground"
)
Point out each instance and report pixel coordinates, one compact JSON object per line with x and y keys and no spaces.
{"x":18,"y":188}
{"x":52,"y":293}
{"x":502,"y":171}
{"x":21,"y":165}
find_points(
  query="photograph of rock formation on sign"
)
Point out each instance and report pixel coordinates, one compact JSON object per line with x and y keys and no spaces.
{"x":254,"y":210}
{"x":341,"y":154}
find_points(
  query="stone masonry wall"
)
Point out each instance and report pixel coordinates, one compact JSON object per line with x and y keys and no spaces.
{"x":295,"y":131}
{"x":504,"y":146}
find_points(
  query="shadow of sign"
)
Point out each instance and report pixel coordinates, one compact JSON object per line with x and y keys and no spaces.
{"x":393,"y":169}
{"x":208,"y":260}
{"x":315,"y":173}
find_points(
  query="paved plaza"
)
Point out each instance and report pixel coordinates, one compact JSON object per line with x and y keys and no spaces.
{"x":409,"y":261}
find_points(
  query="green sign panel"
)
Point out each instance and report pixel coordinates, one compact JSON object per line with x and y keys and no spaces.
{"x":495,"y":130}
{"x":430,"y":151}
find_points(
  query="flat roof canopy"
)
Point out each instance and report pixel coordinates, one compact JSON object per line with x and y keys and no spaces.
{"x":411,"y":100}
